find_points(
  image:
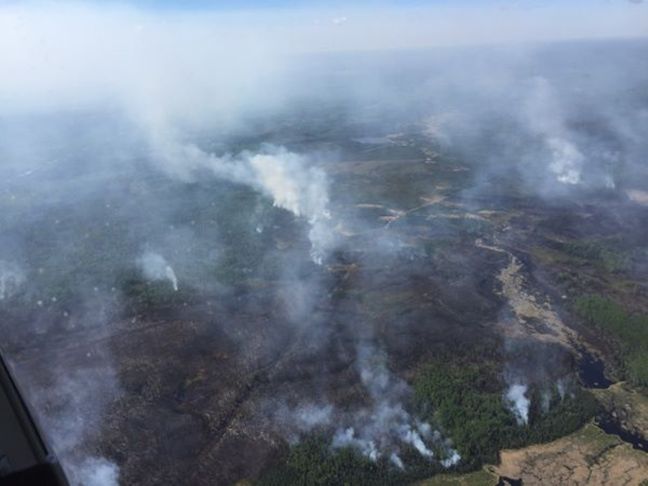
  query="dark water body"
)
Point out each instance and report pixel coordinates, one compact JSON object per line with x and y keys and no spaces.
{"x":591,"y":371}
{"x":504,"y":481}
{"x":613,"y":427}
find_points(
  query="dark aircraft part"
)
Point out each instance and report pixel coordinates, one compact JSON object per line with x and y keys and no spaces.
{"x":25,"y":459}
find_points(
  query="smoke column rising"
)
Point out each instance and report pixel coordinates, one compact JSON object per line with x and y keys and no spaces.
{"x":386,"y":425}
{"x":518,"y":403}
{"x":155,"y":267}
{"x":286,"y":177}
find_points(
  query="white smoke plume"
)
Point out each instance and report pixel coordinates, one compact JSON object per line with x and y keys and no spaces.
{"x":96,"y":472}
{"x":70,"y":408}
{"x":452,"y":460}
{"x":386,"y":426}
{"x":518,"y":402}
{"x":567,"y":161}
{"x":396,"y":461}
{"x":303,"y":419}
{"x":155,"y":267}
{"x":309,"y":416}
{"x":347,"y":438}
{"x":561,"y":386}
{"x":11,"y":279}
{"x":546,"y":119}
{"x":299,"y":189}
{"x":284,"y":176}
{"x":381,"y":429}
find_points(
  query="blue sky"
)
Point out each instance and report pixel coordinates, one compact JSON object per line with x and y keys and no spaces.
{"x":234,"y":4}
{"x":270,"y":4}
{"x":320,"y":4}
{"x":337,"y":25}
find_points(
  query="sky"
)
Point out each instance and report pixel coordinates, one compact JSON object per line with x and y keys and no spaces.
{"x":272,"y":4}
{"x":51,"y":52}
{"x":316,"y":25}
{"x":352,"y":25}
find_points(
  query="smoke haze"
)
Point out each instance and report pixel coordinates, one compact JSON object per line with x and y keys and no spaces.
{"x":197,"y":167}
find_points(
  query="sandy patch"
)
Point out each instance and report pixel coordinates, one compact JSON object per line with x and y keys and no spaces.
{"x":528,"y":308}
{"x":587,"y":457}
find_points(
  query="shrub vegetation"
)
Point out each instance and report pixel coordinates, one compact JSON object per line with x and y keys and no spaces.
{"x":629,"y":332}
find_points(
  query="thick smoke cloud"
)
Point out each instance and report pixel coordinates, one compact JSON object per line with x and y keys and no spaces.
{"x":283,"y":176}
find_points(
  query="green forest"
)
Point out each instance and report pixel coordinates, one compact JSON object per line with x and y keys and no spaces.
{"x":628,"y":331}
{"x":466,"y":402}
{"x":463,"y":401}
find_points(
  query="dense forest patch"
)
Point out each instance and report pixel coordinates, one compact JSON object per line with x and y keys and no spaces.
{"x":629,"y":331}
{"x":465,"y":401}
